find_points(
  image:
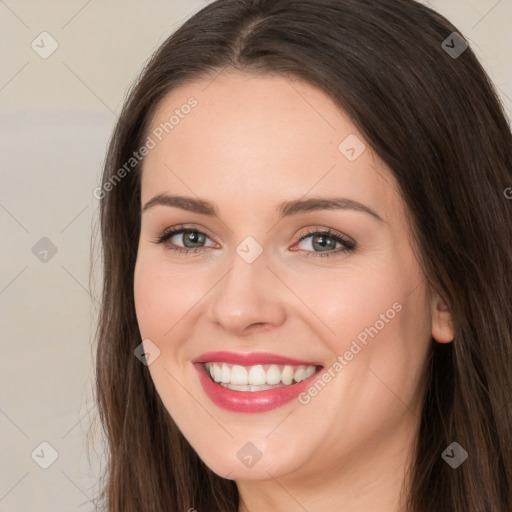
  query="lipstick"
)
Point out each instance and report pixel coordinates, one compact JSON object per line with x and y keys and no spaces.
{"x":254,"y":401}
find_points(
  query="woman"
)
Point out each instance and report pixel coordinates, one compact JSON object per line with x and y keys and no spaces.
{"x":307,"y":268}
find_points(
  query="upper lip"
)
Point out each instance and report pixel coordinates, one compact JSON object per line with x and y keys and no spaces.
{"x":250,"y":359}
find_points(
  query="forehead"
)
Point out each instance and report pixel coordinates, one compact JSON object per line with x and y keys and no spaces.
{"x":248,"y":113}
{"x":256,"y":137}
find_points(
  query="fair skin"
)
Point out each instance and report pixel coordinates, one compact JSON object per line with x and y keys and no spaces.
{"x":251,"y":143}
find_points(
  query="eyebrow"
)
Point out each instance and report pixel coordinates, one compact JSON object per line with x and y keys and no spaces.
{"x":285,"y":209}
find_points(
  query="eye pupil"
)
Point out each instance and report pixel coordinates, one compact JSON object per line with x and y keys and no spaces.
{"x":193,"y":237}
{"x":323,"y":242}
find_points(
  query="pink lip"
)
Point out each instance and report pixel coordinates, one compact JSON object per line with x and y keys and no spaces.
{"x":249,"y":359}
{"x":246,"y":401}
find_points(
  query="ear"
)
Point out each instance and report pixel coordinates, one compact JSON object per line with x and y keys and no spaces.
{"x":442,"y":324}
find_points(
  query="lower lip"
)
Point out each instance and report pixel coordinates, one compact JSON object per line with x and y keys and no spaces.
{"x":250,"y":401}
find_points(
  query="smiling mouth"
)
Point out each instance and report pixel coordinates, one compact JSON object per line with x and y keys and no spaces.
{"x":259,"y":377}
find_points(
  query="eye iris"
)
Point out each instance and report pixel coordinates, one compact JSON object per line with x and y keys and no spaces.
{"x":194,"y":238}
{"x":323,"y":242}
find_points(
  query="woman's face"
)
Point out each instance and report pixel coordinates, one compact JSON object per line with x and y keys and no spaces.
{"x":268,"y":295}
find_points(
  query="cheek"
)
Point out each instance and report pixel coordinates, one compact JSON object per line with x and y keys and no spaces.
{"x":376,"y":317}
{"x":352,"y":298}
{"x":150,"y":299}
{"x":163,"y":299}
{"x":164,"y":295}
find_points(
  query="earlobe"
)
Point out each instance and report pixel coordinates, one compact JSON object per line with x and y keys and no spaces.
{"x":442,"y":323}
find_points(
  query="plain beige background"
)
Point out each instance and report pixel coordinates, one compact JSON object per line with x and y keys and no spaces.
{"x":57,"y":114}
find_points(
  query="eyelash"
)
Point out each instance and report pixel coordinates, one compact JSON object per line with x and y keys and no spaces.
{"x":349,"y":245}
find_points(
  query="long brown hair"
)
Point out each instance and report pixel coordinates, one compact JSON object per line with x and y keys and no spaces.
{"x":436,"y":120}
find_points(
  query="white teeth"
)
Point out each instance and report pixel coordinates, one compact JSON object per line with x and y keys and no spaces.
{"x":273,"y":374}
{"x":226,"y":374}
{"x":217,"y":373}
{"x":248,"y":387}
{"x":299,"y":374}
{"x":310,"y":370}
{"x":239,"y":375}
{"x":257,"y":377}
{"x":287,"y":375}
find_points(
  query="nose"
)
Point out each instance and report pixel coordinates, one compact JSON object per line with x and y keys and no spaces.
{"x":248,"y":298}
